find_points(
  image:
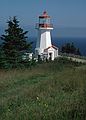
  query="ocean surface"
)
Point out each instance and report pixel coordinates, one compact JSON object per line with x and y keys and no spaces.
{"x":78,"y":42}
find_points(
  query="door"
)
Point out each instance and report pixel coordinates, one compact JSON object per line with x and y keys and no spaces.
{"x":50,"y":56}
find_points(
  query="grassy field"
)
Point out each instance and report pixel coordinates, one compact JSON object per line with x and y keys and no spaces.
{"x":49,"y":91}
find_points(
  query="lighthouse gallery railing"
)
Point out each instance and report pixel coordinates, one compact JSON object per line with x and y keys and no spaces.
{"x":44,"y":25}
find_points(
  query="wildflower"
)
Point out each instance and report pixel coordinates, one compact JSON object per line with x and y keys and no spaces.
{"x":46,"y":105}
{"x":37,"y":98}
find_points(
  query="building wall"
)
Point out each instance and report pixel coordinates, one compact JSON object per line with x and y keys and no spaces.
{"x":44,"y":40}
{"x":54,"y":53}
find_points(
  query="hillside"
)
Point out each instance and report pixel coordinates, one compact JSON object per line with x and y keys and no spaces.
{"x":49,"y":91}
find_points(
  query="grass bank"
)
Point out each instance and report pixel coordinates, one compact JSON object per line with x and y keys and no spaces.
{"x":49,"y":91}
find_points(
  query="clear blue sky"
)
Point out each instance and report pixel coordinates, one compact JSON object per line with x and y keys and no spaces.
{"x":64,"y":14}
{"x":68,"y":13}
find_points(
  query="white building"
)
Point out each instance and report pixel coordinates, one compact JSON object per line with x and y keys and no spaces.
{"x":27,"y":56}
{"x":44,"y":47}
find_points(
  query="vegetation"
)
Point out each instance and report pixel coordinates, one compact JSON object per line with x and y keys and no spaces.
{"x":50,"y":91}
{"x":70,"y":48}
{"x":14,"y":43}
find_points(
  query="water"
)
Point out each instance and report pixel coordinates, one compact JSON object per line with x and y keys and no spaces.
{"x":78,"y":42}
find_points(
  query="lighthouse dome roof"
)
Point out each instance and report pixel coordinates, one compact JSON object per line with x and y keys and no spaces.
{"x":44,"y":15}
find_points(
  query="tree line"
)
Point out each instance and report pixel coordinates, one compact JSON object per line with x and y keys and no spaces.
{"x":70,"y":49}
{"x":15,"y":42}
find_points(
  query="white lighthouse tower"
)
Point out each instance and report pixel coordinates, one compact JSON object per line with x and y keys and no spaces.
{"x":44,"y":47}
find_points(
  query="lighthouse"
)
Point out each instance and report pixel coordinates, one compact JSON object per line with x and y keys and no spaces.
{"x":44,"y":47}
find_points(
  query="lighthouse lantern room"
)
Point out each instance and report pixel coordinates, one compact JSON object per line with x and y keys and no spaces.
{"x":44,"y":47}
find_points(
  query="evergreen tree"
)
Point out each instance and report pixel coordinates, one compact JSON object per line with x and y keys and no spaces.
{"x":67,"y":47}
{"x":78,"y":52}
{"x":63,"y":49}
{"x":14,"y":41}
{"x":1,"y":57}
{"x":70,"y":48}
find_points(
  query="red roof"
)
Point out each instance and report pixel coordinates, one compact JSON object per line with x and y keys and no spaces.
{"x":44,"y":15}
{"x":52,"y":46}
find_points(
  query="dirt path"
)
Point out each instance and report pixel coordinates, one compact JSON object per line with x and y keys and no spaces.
{"x":75,"y":59}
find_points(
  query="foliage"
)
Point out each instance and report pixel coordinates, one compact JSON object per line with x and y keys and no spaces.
{"x":70,"y":48}
{"x":14,"y":41}
{"x":51,"y":91}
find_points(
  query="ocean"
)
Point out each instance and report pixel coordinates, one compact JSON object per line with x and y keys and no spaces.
{"x":78,"y":42}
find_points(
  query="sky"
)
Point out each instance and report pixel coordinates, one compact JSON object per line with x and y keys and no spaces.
{"x":64,"y":13}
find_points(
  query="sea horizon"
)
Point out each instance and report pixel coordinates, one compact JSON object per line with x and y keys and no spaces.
{"x":79,"y":42}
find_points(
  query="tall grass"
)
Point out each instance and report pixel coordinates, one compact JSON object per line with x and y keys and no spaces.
{"x":50,"y":91}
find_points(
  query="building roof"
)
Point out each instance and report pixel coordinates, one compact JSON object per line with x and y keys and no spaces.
{"x":52,"y":46}
{"x":44,"y":15}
